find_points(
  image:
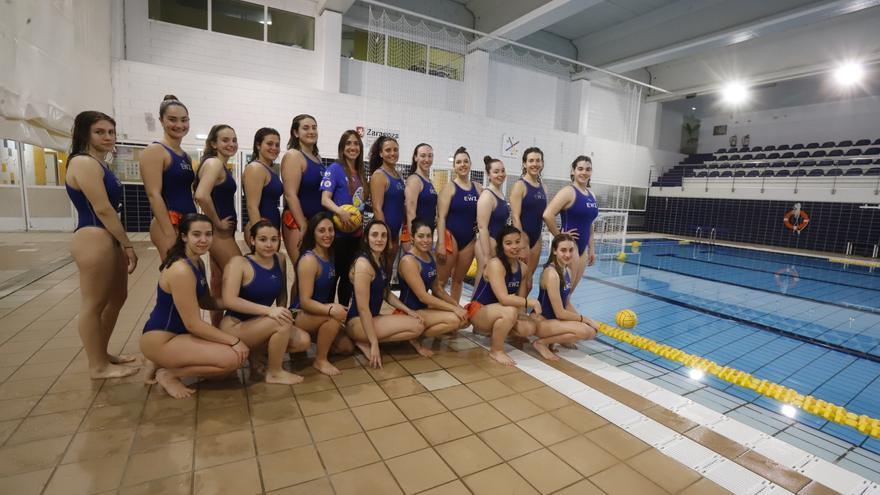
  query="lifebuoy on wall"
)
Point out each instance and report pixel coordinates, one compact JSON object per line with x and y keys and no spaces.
{"x":805,"y":219}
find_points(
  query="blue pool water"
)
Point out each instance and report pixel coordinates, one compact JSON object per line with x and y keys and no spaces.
{"x":804,"y":322}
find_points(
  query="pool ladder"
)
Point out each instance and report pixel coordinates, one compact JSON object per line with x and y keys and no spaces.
{"x":710,"y":240}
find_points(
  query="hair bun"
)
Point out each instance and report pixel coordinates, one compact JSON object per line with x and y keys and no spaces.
{"x":170,"y":97}
{"x":461,"y":149}
{"x":488,"y":160}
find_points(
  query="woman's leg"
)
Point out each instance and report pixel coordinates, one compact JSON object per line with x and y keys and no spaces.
{"x":162,"y":242}
{"x":534,"y":258}
{"x":497,"y":320}
{"x":292,"y":241}
{"x":223,"y":249}
{"x":388,"y":328}
{"x":560,"y":332}
{"x":483,"y":258}
{"x":327,"y":329}
{"x":344,"y":251}
{"x":277,"y":337}
{"x":183,"y":355}
{"x":444,"y":270}
{"x":118,"y":295}
{"x":462,"y":264}
{"x":525,"y":327}
{"x":577,"y":271}
{"x":393,"y":248}
{"x":95,"y":254}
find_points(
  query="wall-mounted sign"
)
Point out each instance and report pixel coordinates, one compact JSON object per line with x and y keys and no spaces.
{"x":371,"y":134}
{"x":719,"y":130}
{"x":510,"y":146}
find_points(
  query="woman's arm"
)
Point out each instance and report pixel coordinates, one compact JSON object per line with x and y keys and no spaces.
{"x":443,"y":200}
{"x":209,"y":172}
{"x":561,"y":201}
{"x":516,"y":195}
{"x":292,"y":165}
{"x":378,"y":184}
{"x":282,"y":300}
{"x":182,"y":282}
{"x":524,"y":293}
{"x":411,"y":194}
{"x":409,"y":269}
{"x":559,"y":306}
{"x":152,"y":164}
{"x":485,"y":205}
{"x":363,"y":276}
{"x":334,"y":178}
{"x":233,"y":276}
{"x":253,"y":180}
{"x":495,"y":274}
{"x":307,"y":268}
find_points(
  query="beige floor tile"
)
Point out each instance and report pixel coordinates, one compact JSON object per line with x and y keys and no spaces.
{"x":32,"y":456}
{"x":436,"y":380}
{"x":332,"y":425}
{"x":499,"y":479}
{"x":121,"y":394}
{"x":374,"y":479}
{"x":342,"y":454}
{"x":273,"y":411}
{"x":583,"y":455}
{"x":708,"y":487}
{"x":169,"y":408}
{"x":441,"y":428}
{"x":520,"y":382}
{"x":490,"y":389}
{"x":419,"y":406}
{"x":717,"y":442}
{"x":480,"y":417}
{"x":545,"y":471}
{"x":315,"y":383}
{"x":402,"y":387}
{"x":320,"y":402}
{"x":419,"y":365}
{"x":7,"y":428}
{"x":579,"y":418}
{"x":624,"y":480}
{"x":284,"y":435}
{"x":582,"y":487}
{"x":45,"y":356}
{"x":152,"y":434}
{"x":262,"y":391}
{"x":241,"y":478}
{"x":98,"y":444}
{"x":392,"y":441}
{"x":25,"y":388}
{"x":26,"y":371}
{"x":377,"y":415}
{"x":547,"y":429}
{"x":663,"y":470}
{"x":468,"y":455}
{"x":388,"y":371}
{"x":366,"y":393}
{"x":547,"y":398}
{"x":419,"y":471}
{"x":222,"y":420}
{"x":509,"y":441}
{"x":74,"y":381}
{"x":783,"y":476}
{"x":516,"y":407}
{"x":453,"y":488}
{"x":616,"y":441}
{"x":30,"y":483}
{"x":290,"y":467}
{"x":65,"y":401}
{"x":17,"y":408}
{"x":457,"y":396}
{"x":223,"y":448}
{"x":669,"y":419}
{"x":47,"y":426}
{"x":468,"y":373}
{"x":92,"y":476}
{"x":112,"y":417}
{"x":210,"y":397}
{"x":352,"y":377}
{"x":159,"y":463}
{"x":450,"y":360}
{"x":320,"y":486}
{"x":180,"y":484}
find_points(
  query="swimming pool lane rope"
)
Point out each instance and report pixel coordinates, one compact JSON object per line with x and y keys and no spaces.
{"x":831,"y":412}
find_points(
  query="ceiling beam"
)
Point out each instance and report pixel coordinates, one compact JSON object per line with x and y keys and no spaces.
{"x":773,"y":24}
{"x":546,"y":15}
{"x":340,"y":6}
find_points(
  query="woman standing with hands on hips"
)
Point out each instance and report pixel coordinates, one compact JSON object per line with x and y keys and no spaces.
{"x":168,"y":175}
{"x":100,"y":247}
{"x":215,"y":194}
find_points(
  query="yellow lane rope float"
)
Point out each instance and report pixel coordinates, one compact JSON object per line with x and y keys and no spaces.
{"x":832,"y":412}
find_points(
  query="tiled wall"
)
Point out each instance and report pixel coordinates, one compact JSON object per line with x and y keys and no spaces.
{"x":831,"y":227}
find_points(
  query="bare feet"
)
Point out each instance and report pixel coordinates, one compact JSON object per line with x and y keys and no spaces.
{"x":283,"y":377}
{"x":422,"y":350}
{"x":502,"y":358}
{"x":149,"y":372}
{"x":172,"y":385}
{"x":257,"y":365}
{"x":569,"y":345}
{"x":325,"y":367}
{"x":112,"y":371}
{"x":544,"y":351}
{"x":364,"y":347}
{"x":122,"y":358}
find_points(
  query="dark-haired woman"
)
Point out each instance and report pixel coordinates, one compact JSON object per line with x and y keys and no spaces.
{"x":100,"y":247}
{"x":176,"y":341}
{"x":577,"y":209}
{"x":215,"y":194}
{"x":418,"y":274}
{"x":500,"y":298}
{"x":560,"y":323}
{"x":365,"y":326}
{"x":316,"y":276}
{"x":343,"y":184}
{"x":493,"y":213}
{"x":420,"y":194}
{"x":251,"y":285}
{"x":168,"y":175}
{"x":456,"y":222}
{"x":301,"y":174}
{"x":387,"y":191}
{"x":528,"y":200}
{"x":262,"y":185}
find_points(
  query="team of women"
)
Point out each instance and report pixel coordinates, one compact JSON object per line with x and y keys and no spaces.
{"x":342,"y":267}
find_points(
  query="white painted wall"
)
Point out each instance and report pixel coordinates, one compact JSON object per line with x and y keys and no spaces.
{"x":860,"y":190}
{"x":518,"y":94}
{"x":670,"y":129}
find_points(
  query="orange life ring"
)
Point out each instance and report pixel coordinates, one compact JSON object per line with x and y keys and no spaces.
{"x":805,"y":219}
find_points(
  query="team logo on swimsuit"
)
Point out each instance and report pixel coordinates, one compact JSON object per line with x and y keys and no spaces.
{"x":470,"y":198}
{"x":398,"y":185}
{"x":432,"y":273}
{"x":512,"y":286}
{"x":326,"y":182}
{"x":540,"y":195}
{"x":591,"y":204}
{"x":332,"y":272}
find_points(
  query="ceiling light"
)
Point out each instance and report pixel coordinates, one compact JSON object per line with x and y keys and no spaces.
{"x":734,"y":93}
{"x":849,"y":73}
{"x":694,"y":108}
{"x":696,"y":374}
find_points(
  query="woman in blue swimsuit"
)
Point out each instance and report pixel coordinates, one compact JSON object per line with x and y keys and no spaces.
{"x":215,"y":194}
{"x":420,"y":194}
{"x":456,"y":222}
{"x":387,"y":191}
{"x":261,"y":184}
{"x":100,"y":247}
{"x":493,"y":213}
{"x":577,"y":209}
{"x":528,"y":199}
{"x":255,"y":295}
{"x":176,"y":341}
{"x":301,"y":174}
{"x":168,"y":176}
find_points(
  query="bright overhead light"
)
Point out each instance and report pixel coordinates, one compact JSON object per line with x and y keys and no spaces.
{"x":849,"y":73}
{"x":201,"y":136}
{"x":696,"y":374}
{"x":693,"y":108}
{"x":734,"y":93}
{"x":789,"y":410}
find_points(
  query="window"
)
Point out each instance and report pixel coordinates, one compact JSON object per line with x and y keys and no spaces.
{"x":446,"y":64}
{"x":401,"y":53}
{"x":192,"y":13}
{"x":238,"y":18}
{"x":405,"y":54}
{"x":288,"y":28}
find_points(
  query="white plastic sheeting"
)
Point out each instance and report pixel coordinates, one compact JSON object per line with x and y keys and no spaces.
{"x":54,"y":63}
